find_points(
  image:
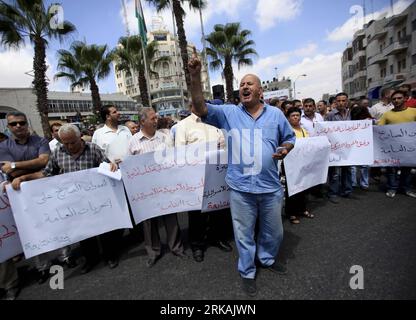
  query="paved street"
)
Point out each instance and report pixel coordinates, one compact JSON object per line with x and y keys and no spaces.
{"x":374,"y":232}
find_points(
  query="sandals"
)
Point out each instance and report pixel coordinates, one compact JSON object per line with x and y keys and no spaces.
{"x":309,"y":215}
{"x":294,"y":220}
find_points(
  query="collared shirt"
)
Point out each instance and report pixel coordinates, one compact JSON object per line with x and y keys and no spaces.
{"x":335,"y":115}
{"x":251,"y":167}
{"x":62,"y":161}
{"x":309,"y":124}
{"x":379,"y":109}
{"x":140,"y":144}
{"x":193,"y":130}
{"x":114,"y":144}
{"x":53,"y":144}
{"x":10,"y":150}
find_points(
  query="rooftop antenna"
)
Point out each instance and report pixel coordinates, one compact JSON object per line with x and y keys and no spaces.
{"x":126,"y":23}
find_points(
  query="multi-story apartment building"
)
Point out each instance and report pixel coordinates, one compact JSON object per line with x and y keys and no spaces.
{"x":382,"y":54}
{"x":168,"y":90}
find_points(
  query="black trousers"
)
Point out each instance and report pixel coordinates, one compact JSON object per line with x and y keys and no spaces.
{"x":110,"y":243}
{"x":208,"y":227}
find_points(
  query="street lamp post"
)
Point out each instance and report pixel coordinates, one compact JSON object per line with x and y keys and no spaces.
{"x":294,"y":84}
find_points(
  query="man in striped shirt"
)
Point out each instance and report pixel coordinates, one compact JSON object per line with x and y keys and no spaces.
{"x":74,"y":154}
{"x":149,"y":140}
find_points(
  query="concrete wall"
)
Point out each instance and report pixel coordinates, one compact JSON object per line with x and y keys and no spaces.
{"x":21,"y":99}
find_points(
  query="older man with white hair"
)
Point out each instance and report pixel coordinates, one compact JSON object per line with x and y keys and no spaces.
{"x":74,"y":154}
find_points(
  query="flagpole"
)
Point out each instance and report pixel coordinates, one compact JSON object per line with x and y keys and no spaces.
{"x":146,"y":72}
{"x":143,"y":37}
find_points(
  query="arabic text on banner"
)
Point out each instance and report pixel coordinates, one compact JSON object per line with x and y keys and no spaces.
{"x":158,"y":186}
{"x":395,"y":145}
{"x":351,"y":142}
{"x":54,"y":212}
{"x":9,"y":237}
{"x":216,"y":190}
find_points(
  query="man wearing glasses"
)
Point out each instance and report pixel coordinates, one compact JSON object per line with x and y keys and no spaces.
{"x":23,"y":153}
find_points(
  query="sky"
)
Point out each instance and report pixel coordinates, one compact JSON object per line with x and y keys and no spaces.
{"x":292,"y":37}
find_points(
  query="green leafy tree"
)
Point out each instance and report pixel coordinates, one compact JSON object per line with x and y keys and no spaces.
{"x":179,"y":14}
{"x":30,"y":19}
{"x":85,"y":65}
{"x":228,"y":44}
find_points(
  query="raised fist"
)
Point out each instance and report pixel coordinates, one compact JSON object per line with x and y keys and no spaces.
{"x":194,"y":64}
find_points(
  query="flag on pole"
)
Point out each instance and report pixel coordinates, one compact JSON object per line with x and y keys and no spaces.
{"x":141,"y":22}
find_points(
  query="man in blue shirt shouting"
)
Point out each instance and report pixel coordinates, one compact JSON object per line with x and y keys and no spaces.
{"x":258,"y":136}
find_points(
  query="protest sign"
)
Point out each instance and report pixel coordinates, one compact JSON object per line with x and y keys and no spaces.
{"x":158,"y":185}
{"x":216,"y":191}
{"x":351,"y":142}
{"x":307,"y":164}
{"x":395,"y":145}
{"x":54,"y":212}
{"x":10,"y":245}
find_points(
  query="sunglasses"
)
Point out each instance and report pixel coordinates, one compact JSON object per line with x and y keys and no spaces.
{"x":14,"y":124}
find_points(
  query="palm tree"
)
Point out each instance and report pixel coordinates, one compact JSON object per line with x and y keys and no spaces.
{"x":129,"y":56}
{"x":31,"y":19}
{"x":228,"y":43}
{"x":179,"y":13}
{"x":84,"y":65}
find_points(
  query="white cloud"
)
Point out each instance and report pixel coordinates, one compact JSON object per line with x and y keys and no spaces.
{"x":355,"y":23}
{"x":323,"y":75}
{"x":13,"y":66}
{"x":265,"y":67}
{"x":270,"y":12}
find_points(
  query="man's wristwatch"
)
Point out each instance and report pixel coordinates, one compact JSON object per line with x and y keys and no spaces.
{"x":13,"y":165}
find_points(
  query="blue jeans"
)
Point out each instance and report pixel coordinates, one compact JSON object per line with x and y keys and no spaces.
{"x":245,"y":208}
{"x":364,"y":171}
{"x":340,"y":181}
{"x":394,"y":182}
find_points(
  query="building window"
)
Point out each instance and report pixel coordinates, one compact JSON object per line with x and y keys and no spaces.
{"x":414,"y":25}
{"x":391,"y":69}
{"x":414,"y":59}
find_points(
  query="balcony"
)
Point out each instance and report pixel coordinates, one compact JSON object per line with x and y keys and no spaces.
{"x":360,"y":53}
{"x":360,"y":74}
{"x":379,"y":35}
{"x":397,"y":47}
{"x":396,"y":20}
{"x":377,"y":59}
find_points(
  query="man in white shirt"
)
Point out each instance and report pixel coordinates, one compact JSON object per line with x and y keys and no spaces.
{"x":310,"y":117}
{"x":114,"y":140}
{"x":149,"y":140}
{"x":204,"y":228}
{"x":383,"y":106}
{"x":54,"y":130}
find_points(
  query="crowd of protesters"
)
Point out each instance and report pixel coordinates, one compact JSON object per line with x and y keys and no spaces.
{"x":25,"y":156}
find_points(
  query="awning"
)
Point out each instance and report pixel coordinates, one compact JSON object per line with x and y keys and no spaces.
{"x":374,"y":93}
